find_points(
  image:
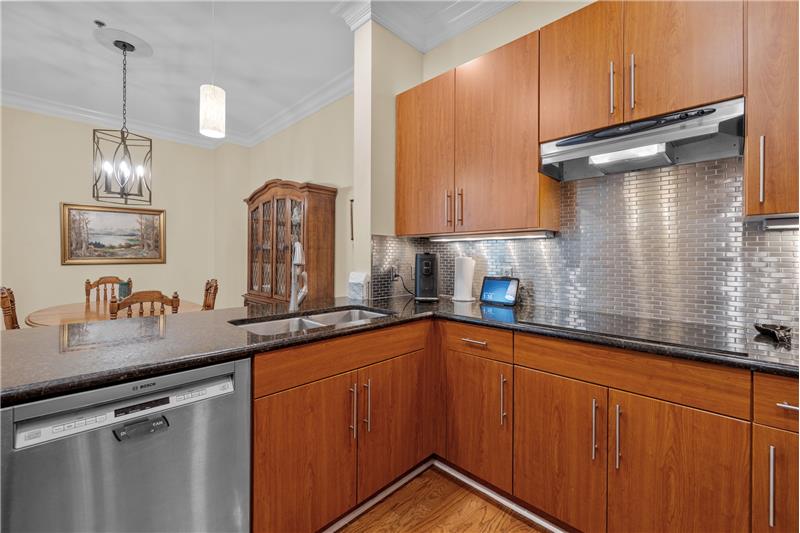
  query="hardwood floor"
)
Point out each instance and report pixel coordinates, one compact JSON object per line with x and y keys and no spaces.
{"x":433,"y":502}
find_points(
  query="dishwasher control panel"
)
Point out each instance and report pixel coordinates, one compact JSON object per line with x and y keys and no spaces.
{"x":51,"y":427}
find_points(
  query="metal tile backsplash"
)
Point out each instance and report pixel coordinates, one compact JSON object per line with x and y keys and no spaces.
{"x":665,"y":243}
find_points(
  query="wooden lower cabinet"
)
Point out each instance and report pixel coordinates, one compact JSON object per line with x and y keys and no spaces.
{"x":304,"y":456}
{"x":393,"y":437}
{"x":479,"y":414}
{"x":679,"y":469}
{"x":775,"y":495}
{"x":560,"y":447}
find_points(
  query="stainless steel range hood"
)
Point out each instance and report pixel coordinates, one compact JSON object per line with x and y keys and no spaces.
{"x":701,"y":134}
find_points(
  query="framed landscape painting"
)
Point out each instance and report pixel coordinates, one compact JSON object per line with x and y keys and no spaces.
{"x":94,"y":235}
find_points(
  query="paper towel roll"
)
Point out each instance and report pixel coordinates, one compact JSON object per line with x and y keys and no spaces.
{"x":462,"y":286}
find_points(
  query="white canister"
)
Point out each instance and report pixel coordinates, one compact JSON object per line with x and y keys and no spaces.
{"x":462,"y":284}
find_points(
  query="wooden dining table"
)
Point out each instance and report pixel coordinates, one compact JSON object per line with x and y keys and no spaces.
{"x":92,"y":311}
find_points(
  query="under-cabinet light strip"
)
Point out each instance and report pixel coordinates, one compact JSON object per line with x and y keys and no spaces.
{"x":494,"y":237}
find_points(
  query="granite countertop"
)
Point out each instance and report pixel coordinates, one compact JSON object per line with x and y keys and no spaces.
{"x":39,"y":363}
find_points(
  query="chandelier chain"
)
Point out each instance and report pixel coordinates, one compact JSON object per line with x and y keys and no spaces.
{"x":124,"y":90}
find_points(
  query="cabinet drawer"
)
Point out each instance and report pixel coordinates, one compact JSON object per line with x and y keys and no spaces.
{"x":476,"y":340}
{"x":290,"y":367}
{"x":702,"y":385}
{"x":768,"y":392}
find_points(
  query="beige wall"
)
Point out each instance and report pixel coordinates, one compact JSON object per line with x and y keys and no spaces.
{"x":516,"y":21}
{"x":48,"y":160}
{"x":396,"y":66}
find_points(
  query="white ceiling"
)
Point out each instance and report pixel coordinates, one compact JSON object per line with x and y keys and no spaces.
{"x":277,"y":61}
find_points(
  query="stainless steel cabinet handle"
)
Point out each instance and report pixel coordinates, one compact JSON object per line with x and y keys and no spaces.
{"x":354,"y":425}
{"x":787,"y":405}
{"x":594,"y":428}
{"x":502,"y":399}
{"x":616,"y":458}
{"x":761,"y":169}
{"x":611,"y":87}
{"x":772,"y":486}
{"x":633,"y":82}
{"x":460,"y":207}
{"x":473,"y":341}
{"x":368,"y":420}
{"x":447,"y":198}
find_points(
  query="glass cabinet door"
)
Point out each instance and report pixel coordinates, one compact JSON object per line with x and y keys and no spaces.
{"x":282,"y":251}
{"x":266,"y":248}
{"x":255,"y":256}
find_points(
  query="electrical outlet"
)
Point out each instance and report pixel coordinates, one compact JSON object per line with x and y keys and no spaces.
{"x":393,"y":272}
{"x":506,"y":270}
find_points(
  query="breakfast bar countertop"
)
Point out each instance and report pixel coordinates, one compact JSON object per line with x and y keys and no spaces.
{"x":39,"y":363}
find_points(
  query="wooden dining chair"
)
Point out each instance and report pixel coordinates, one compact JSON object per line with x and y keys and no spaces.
{"x":104,"y":283}
{"x":210,"y":294}
{"x":141,"y":298}
{"x":9,"y":307}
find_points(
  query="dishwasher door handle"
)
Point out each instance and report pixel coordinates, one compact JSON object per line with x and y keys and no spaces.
{"x":141,"y":428}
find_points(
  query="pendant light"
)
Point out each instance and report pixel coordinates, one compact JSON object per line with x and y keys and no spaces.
{"x":122,"y":160}
{"x":212,"y":100}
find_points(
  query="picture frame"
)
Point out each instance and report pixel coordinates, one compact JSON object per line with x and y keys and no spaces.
{"x":101,"y":235}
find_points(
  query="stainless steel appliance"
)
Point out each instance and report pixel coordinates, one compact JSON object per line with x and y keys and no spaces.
{"x":710,"y":132}
{"x":170,"y":453}
{"x":425,"y":282}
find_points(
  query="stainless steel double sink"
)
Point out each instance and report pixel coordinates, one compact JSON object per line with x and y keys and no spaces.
{"x":348,"y":317}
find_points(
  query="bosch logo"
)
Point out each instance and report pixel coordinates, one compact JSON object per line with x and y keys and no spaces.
{"x":144,"y":386}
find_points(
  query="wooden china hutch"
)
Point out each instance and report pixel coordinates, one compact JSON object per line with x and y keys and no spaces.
{"x":281,"y":213}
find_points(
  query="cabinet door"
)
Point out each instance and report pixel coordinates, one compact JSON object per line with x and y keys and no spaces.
{"x":392,"y":434}
{"x":775,"y":480}
{"x":684,"y":54}
{"x":560,"y":447}
{"x":254,"y":252}
{"x":424,"y":158}
{"x":770,"y":156}
{"x":479,"y":405}
{"x":304,"y":456}
{"x":674,"y":468}
{"x":497,"y":145}
{"x":580,"y":88}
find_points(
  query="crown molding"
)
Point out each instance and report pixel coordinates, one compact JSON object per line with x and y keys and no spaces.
{"x":99,"y":119}
{"x":455,"y":20}
{"x":355,"y":14}
{"x":337,"y":88}
{"x":414,"y":25}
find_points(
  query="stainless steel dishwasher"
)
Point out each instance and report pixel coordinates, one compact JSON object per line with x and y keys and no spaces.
{"x":166,"y":454}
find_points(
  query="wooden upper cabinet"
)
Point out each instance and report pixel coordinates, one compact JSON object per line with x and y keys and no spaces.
{"x":497,"y":145}
{"x":479,"y":412}
{"x":774,"y":495}
{"x":393,"y":420}
{"x":424,"y":147}
{"x":580,"y":59}
{"x":770,"y":153}
{"x":685,"y":54}
{"x":304,"y":456}
{"x":560,"y":447}
{"x":679,"y":469}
